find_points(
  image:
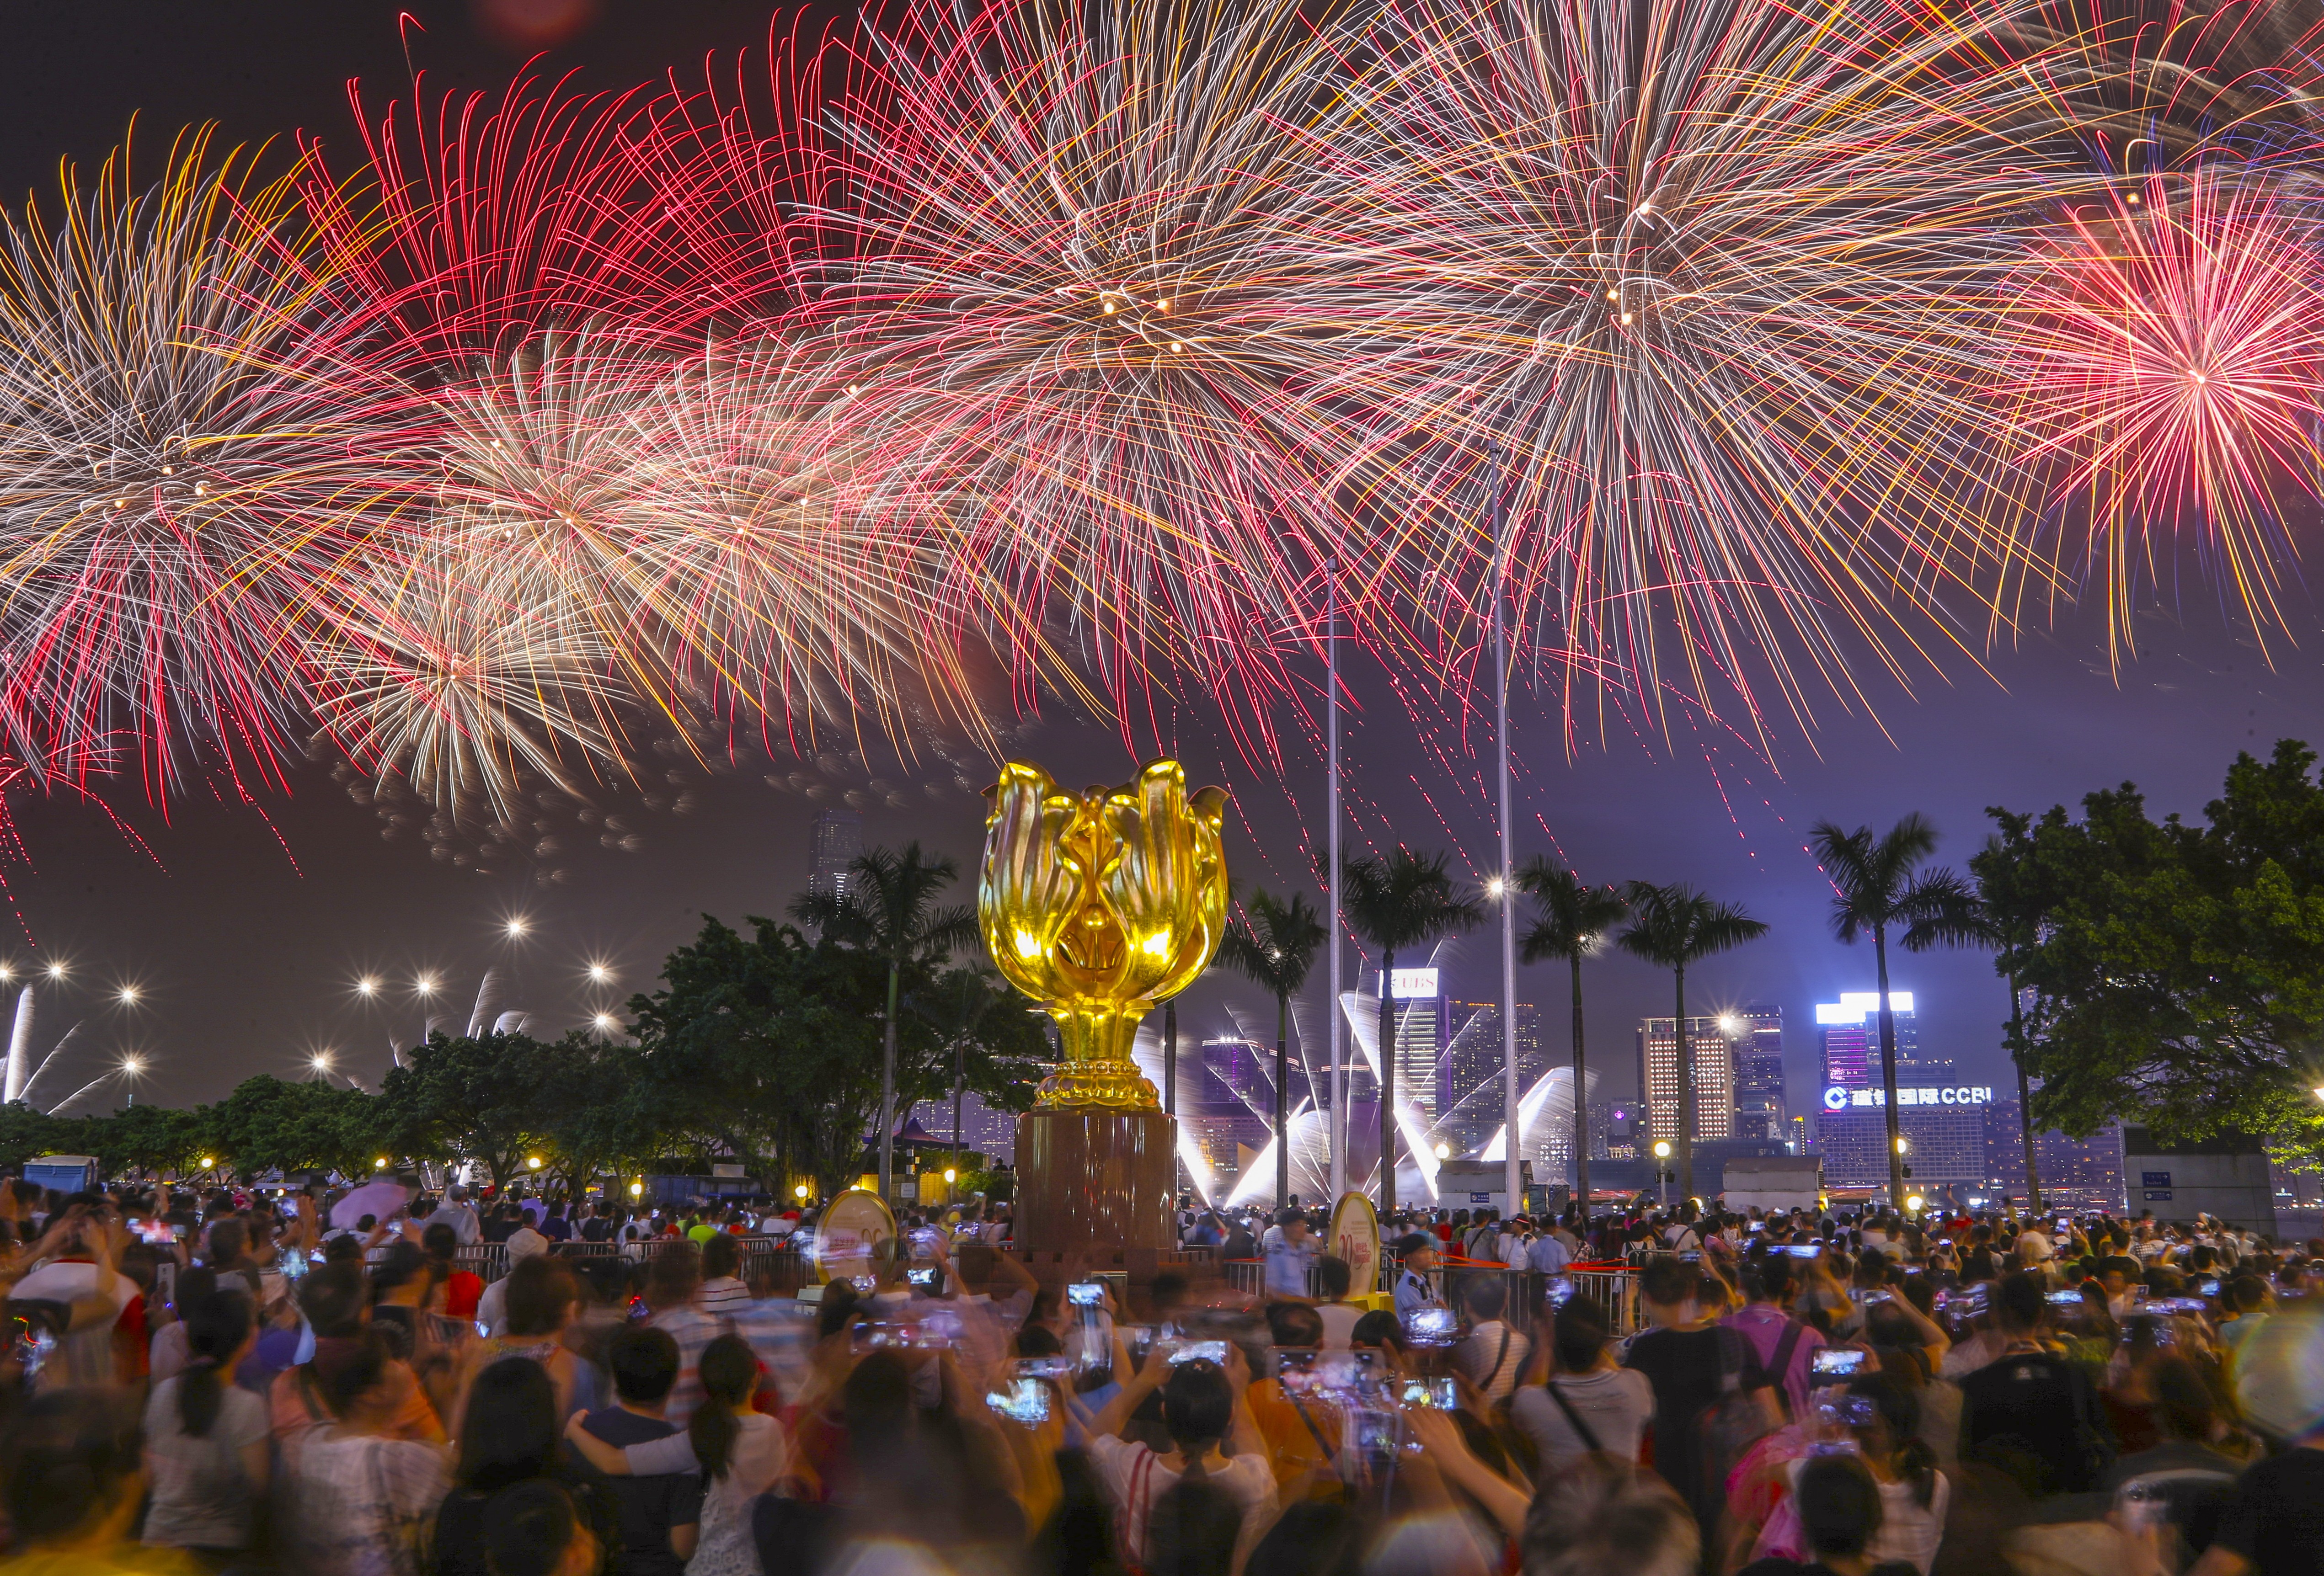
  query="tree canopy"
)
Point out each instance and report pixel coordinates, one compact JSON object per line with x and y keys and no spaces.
{"x":2172,"y":968}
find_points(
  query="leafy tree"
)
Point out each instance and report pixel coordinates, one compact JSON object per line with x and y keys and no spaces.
{"x":269,"y":1124}
{"x":2173,"y":967}
{"x":595,"y":1119}
{"x":1398,"y":903}
{"x":1676,"y":925}
{"x":486,"y":1098}
{"x":1273,"y":946}
{"x":765,"y":1046}
{"x":888,"y":910}
{"x":1571,"y":920}
{"x":1955,"y":913}
{"x":153,"y":1137}
{"x":25,"y":1133}
{"x":989,"y":1027}
{"x":1880,"y":883}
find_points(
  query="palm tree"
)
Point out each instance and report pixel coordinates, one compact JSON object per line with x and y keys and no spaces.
{"x":1878,"y":883}
{"x":1402,"y":901}
{"x":1274,"y":948}
{"x":1570,"y":921}
{"x":1952,"y":912}
{"x":886,"y":907}
{"x":967,"y":993}
{"x":1675,"y":926}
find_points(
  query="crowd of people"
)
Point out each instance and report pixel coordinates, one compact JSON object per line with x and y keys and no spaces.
{"x":305,"y":1385}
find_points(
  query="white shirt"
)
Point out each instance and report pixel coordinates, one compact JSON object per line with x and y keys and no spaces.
{"x":1340,"y":1320}
{"x":2033,"y":1248}
{"x":1614,"y":1403}
{"x":462,"y":1218}
{"x":1135,"y":1478}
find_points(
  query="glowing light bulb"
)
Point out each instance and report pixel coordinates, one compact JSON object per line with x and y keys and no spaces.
{"x":533,"y":1163}
{"x":425,"y":984}
{"x":367,"y":986}
{"x":599,"y":973}
{"x":636,"y":1188}
{"x":517,"y":926}
{"x":800,"y":1191}
{"x":127,"y":996}
{"x":380,"y":1164}
{"x":605,"y":1020}
{"x":1444,"y":1151}
{"x":56,"y":971}
{"x":1496,"y":887}
{"x":951,"y":1174}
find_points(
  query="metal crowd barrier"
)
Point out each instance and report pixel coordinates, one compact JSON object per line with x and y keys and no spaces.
{"x":770,"y":1257}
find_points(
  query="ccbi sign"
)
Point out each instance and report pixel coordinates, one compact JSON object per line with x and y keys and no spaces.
{"x":1835,"y":1098}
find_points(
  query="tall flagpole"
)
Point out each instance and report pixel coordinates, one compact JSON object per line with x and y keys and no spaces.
{"x":1339,"y":1123}
{"x":1506,"y":881}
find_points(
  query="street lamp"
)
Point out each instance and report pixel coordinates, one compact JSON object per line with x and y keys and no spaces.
{"x":1662,"y":1174}
{"x":1914,"y":1202}
{"x":951,"y":1176}
{"x":637,"y":1189}
{"x":533,"y":1163}
{"x":800,"y":1191}
{"x":380,"y":1164}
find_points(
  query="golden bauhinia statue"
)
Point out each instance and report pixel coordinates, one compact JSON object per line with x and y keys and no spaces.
{"x":1097,"y":905}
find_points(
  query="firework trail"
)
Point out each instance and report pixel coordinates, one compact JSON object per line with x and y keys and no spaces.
{"x":1060,"y":287}
{"x":1719,"y":279}
{"x":2167,"y":350}
{"x":167,"y":480}
{"x":472,"y":683}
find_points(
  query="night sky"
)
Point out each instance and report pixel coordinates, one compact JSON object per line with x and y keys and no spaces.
{"x":245,"y":925}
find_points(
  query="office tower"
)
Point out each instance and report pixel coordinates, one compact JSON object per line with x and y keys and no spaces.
{"x":1226,"y":1100}
{"x":1422,"y":1011}
{"x":1941,"y":1119}
{"x":833,"y":844}
{"x":1849,"y":1029}
{"x":1469,"y":1088}
{"x":1714,"y":1077}
{"x":1756,"y":1033}
{"x":2079,"y":1170}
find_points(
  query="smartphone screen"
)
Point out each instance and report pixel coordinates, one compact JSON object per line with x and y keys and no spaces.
{"x":1837,"y":1362}
{"x":1024,"y":1400}
{"x":1086,"y":1294}
{"x":1805,"y":1250}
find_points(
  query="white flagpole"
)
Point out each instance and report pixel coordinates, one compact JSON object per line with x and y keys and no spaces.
{"x":1339,"y":1123}
{"x":1511,"y":1134}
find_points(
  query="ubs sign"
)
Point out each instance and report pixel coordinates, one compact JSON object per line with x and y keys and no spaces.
{"x":1837,"y":1098}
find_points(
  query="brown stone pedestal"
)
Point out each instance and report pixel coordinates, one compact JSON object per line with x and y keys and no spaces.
{"x":1094,"y":1196}
{"x":1091,"y":1180}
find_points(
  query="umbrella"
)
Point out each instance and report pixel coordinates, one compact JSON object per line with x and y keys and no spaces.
{"x":380,"y":1198}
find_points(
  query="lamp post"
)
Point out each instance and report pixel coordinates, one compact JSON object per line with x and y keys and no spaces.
{"x":1662,"y":1171}
{"x":1503,"y":886}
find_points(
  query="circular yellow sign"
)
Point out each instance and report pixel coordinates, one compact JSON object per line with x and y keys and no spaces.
{"x":848,"y":1237}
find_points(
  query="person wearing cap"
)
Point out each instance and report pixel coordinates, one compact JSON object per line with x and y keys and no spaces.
{"x":492,"y":1308}
{"x":1413,"y":1288}
{"x":1289,"y":1250}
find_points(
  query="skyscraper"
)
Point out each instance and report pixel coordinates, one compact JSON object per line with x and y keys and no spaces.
{"x":1714,"y":1076}
{"x":1469,"y":1084}
{"x":833,"y":844}
{"x":1850,"y":1034}
{"x":1422,"y":1010}
{"x":1756,"y":1033}
{"x":1941,"y":1120}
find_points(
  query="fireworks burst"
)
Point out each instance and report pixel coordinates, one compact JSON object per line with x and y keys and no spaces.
{"x":166,"y":484}
{"x":2168,"y":352}
{"x":1062,"y":292}
{"x":1715,"y":276}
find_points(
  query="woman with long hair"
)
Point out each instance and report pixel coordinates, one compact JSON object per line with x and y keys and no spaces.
{"x":206,"y":1437}
{"x":508,"y":1437}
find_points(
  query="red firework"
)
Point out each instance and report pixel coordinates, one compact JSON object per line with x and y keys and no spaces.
{"x":2167,"y":352}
